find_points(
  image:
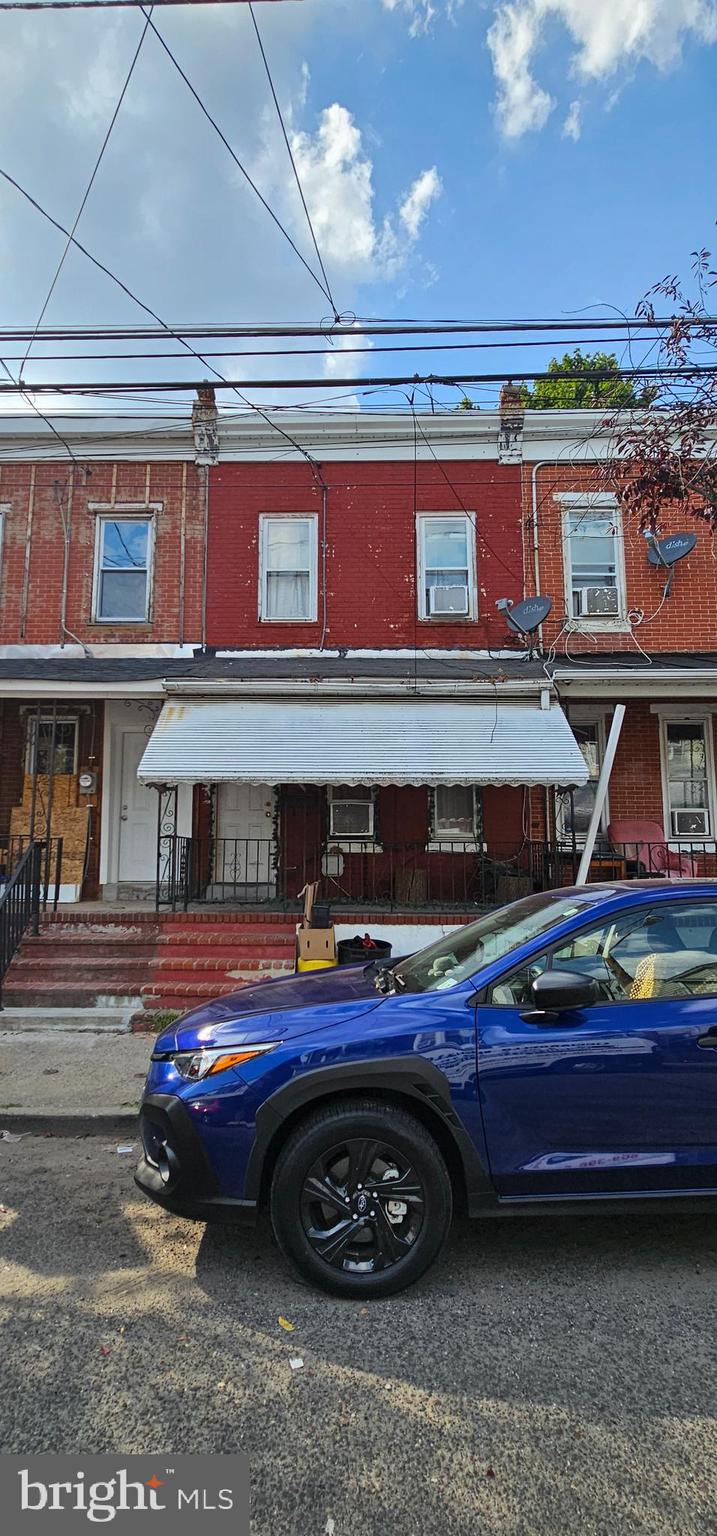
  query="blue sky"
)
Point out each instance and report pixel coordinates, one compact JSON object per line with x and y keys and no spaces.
{"x":460,"y":158}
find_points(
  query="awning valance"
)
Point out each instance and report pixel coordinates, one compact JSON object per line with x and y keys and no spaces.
{"x":406,"y":741}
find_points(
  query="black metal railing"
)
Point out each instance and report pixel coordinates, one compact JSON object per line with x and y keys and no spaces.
{"x":447,"y":874}
{"x":13,"y":847}
{"x":20,"y":905}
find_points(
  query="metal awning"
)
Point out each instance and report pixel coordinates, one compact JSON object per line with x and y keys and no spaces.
{"x":406,"y":741}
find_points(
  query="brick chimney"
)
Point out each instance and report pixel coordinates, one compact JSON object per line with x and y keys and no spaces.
{"x":205,"y":426}
{"x":510,"y":432}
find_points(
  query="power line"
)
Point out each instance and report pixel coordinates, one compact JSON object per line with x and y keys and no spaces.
{"x":103,"y":5}
{"x":427,"y":346}
{"x":290,"y":153}
{"x":89,"y":187}
{"x":280,"y":330}
{"x":592,"y":375}
{"x":212,"y":120}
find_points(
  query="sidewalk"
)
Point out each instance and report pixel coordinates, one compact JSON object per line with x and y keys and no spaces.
{"x":70,"y":1082}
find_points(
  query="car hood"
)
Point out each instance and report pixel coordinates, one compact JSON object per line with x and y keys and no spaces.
{"x":268,"y":1010}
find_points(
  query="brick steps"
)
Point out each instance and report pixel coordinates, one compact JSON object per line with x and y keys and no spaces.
{"x":161,"y":963}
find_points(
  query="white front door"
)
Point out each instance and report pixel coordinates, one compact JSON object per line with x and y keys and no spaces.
{"x":138,"y":816}
{"x":245,"y":844}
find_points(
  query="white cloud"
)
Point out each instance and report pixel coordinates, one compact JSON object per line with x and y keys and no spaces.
{"x":573,"y":125}
{"x":607,"y":36}
{"x":522,"y":104}
{"x":421,"y":13}
{"x":337,"y":178}
{"x":414,"y":208}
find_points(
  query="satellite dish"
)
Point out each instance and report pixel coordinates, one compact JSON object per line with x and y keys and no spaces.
{"x":668,"y":551}
{"x":526,"y":617}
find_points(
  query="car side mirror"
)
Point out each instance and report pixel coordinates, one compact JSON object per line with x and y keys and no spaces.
{"x":563,"y":991}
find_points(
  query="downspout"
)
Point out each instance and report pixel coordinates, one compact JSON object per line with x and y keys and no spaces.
{"x":543,"y":464}
{"x":318,"y":476}
{"x":66,"y":531}
{"x":205,"y":569}
{"x":28,"y":548}
{"x":182,"y":539}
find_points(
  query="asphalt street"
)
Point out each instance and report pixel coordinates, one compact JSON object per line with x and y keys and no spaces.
{"x":546,"y":1377}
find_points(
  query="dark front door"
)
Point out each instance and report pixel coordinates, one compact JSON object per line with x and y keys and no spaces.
{"x":621,"y":1096}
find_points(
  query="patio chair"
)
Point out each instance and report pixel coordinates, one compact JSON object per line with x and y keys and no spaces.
{"x":643,"y":845}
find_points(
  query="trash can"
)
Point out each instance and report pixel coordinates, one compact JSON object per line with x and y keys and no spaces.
{"x":353,"y":951}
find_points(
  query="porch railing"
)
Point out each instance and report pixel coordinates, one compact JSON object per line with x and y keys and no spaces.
{"x":20,"y":905}
{"x":13,"y":847}
{"x":454,"y":873}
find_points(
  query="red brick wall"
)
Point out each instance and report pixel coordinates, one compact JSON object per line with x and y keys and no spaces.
{"x":371,"y":554}
{"x":687,"y":620}
{"x":98,"y":483}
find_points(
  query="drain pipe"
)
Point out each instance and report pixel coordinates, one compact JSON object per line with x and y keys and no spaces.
{"x":601,"y":793}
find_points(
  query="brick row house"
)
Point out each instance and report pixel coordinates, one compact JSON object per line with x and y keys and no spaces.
{"x":229,"y":665}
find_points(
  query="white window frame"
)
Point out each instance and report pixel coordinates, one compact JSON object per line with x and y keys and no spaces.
{"x":33,"y":725}
{"x":265,"y":519}
{"x":127,"y":512}
{"x":4,"y":510}
{"x":604,"y":504}
{"x":422,"y":521}
{"x":687,"y":716}
{"x":441,"y":835}
{"x":341,"y":839}
{"x":580,"y":715}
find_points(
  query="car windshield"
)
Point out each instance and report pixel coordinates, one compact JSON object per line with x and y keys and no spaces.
{"x":460,"y":954}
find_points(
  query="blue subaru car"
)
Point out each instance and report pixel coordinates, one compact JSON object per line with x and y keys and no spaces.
{"x":557,"y":1055}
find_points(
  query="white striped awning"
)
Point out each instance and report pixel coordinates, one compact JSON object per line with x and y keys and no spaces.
{"x":382,"y":741}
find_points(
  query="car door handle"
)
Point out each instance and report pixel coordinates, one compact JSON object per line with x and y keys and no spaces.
{"x":709,"y":1041}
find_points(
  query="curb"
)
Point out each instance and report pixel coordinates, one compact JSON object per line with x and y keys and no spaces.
{"x":70,"y":1122}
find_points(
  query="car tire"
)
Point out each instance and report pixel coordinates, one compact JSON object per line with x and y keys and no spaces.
{"x":379,"y":1250}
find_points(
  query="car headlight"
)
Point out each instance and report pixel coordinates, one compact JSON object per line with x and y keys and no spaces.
{"x":194,"y":1065}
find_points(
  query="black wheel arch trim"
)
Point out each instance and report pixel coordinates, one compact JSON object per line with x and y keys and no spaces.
{"x":418,"y":1080}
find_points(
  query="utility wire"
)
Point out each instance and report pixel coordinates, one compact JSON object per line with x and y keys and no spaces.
{"x":290,"y":153}
{"x":593,"y":375}
{"x":351,"y":328}
{"x":89,"y":187}
{"x":104,"y":5}
{"x":427,"y":346}
{"x":232,"y":152}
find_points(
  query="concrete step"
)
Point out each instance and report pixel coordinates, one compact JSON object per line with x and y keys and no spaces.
{"x":35,"y":1022}
{"x":26,"y":993}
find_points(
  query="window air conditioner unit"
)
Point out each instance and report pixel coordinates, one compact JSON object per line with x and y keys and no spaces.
{"x":452,"y":600}
{"x":592,"y":602}
{"x":694,"y":823}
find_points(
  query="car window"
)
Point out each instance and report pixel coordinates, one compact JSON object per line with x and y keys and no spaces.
{"x":466,"y":950}
{"x":666,"y":951}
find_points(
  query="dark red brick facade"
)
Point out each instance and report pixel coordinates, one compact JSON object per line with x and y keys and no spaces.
{"x":37,"y":497}
{"x":371,"y":557}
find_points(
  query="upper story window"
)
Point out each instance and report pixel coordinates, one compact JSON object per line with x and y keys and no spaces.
{"x":594,"y":570}
{"x":446,"y":567}
{"x":288,"y":549}
{"x":688,"y":776}
{"x":123,"y":569}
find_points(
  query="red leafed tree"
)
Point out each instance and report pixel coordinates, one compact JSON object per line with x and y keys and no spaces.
{"x":669,"y":452}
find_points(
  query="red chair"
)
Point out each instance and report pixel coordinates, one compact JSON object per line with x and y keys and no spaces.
{"x":643,"y":843}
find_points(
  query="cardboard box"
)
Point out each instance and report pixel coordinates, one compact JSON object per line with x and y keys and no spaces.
{"x":316,"y":944}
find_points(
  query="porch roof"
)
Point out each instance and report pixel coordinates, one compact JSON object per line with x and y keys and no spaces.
{"x":407,"y":741}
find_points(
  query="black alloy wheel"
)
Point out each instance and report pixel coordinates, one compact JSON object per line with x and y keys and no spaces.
{"x":361,"y":1198}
